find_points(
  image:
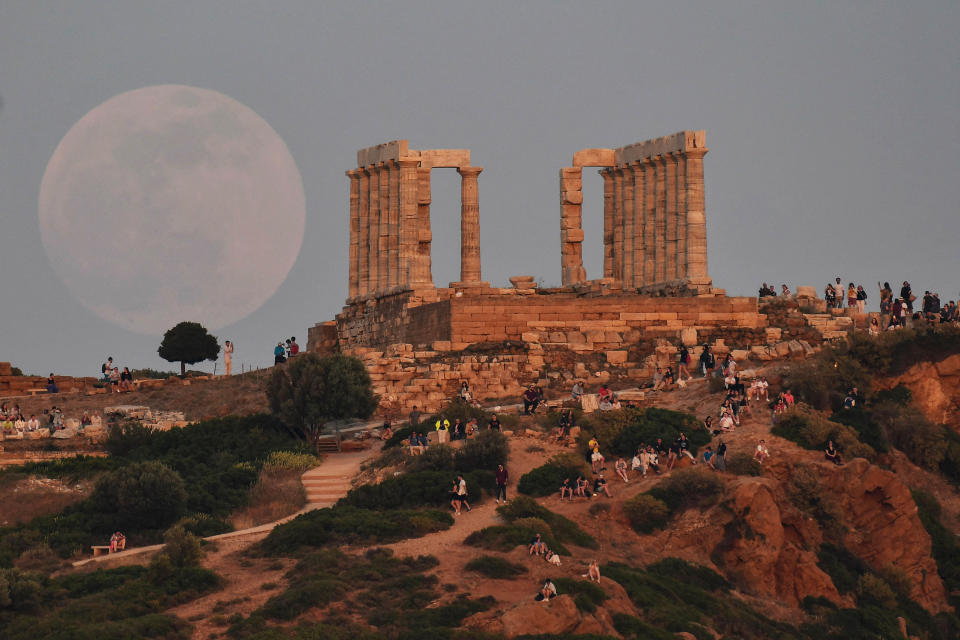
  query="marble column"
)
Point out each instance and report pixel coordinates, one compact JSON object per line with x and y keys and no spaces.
{"x":626,"y":203}
{"x":423,"y":273}
{"x":670,"y":228}
{"x":618,"y":224}
{"x":696,"y":218}
{"x":649,"y":221}
{"x":363,"y":240}
{"x":408,"y":221}
{"x":383,"y":230}
{"x":354,"y":282}
{"x":638,"y":229}
{"x":373,"y":225}
{"x":607,"y":222}
{"x":681,"y":216}
{"x":469,"y":225}
{"x":393,"y":224}
{"x":660,"y":229}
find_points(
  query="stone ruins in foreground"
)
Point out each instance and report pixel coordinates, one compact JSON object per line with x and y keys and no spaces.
{"x":419,"y":341}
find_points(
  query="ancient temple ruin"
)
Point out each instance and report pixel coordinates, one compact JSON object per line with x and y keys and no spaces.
{"x":390,"y":234}
{"x":418,"y":340}
{"x":654,"y":227}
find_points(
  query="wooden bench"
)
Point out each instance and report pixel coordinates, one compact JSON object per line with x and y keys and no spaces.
{"x":99,"y":550}
{"x":34,"y":392}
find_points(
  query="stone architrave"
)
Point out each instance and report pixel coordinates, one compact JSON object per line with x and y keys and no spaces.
{"x":660,"y":230}
{"x":424,"y":270}
{"x":354,"y":282}
{"x":373,"y":226}
{"x":383,"y":253}
{"x":408,"y":220}
{"x":469,"y":225}
{"x":670,"y":219}
{"x":618,"y":224}
{"x":696,"y":218}
{"x":607,"y":176}
{"x":626,"y":203}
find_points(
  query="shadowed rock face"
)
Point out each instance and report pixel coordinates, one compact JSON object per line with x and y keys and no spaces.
{"x":935,"y":389}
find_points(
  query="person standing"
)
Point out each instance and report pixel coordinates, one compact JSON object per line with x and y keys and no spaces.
{"x":227,"y":358}
{"x":720,"y":460}
{"x":294,"y":347}
{"x":501,"y":484}
{"x":907,"y":296}
{"x":414,"y":416}
{"x":443,"y":429}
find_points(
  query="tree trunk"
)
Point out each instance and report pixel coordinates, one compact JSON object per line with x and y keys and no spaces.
{"x":183,"y":369}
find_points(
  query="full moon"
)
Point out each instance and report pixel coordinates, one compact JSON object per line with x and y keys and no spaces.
{"x":172,"y":203}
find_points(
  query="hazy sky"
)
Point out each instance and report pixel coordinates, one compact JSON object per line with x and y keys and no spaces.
{"x":833,"y":130}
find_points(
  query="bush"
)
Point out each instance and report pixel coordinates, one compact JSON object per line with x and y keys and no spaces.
{"x":945,"y":546}
{"x":692,"y":574}
{"x":495,"y":568}
{"x":485,"y":451}
{"x":811,"y":430}
{"x":418,"y":489}
{"x":687,"y":488}
{"x":586,"y":595}
{"x":843,"y":567}
{"x":743,"y":464}
{"x":625,"y":431}
{"x":146,"y":495}
{"x":866,"y":428}
{"x":872,"y":589}
{"x":545,"y":480}
{"x":438,"y":457}
{"x":563,"y":529}
{"x":518,"y":533}
{"x":347,"y":524}
{"x":809,"y":496}
{"x":290,"y":461}
{"x":910,"y":431}
{"x":182,"y":547}
{"x":646,"y":513}
{"x":203,"y":525}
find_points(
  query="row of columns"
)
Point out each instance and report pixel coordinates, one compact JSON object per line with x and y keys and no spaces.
{"x":390,"y":234}
{"x":654,"y":226}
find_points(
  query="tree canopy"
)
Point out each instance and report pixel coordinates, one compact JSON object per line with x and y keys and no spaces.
{"x":188,"y":343}
{"x":311,"y":390}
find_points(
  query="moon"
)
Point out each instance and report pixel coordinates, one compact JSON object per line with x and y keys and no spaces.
{"x":172,"y":203}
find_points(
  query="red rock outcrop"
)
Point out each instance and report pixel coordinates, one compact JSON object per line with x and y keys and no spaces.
{"x":885,"y":529}
{"x":558,"y":616}
{"x":935,"y":387}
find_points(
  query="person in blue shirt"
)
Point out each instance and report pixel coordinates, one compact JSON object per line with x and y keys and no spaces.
{"x":279,"y":354}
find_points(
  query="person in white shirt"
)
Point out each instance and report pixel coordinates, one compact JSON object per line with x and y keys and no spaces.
{"x":227,"y":358}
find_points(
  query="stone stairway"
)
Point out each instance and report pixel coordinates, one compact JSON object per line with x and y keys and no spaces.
{"x":829,"y":325}
{"x":330,"y":481}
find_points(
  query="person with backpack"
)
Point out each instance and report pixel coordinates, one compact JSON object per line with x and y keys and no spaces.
{"x":707,"y":361}
{"x":683,"y":362}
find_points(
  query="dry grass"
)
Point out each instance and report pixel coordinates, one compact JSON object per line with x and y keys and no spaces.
{"x":27,"y":497}
{"x":277,"y":493}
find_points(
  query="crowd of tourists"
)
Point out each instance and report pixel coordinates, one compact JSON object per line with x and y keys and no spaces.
{"x":283,"y":351}
{"x":115,"y":380}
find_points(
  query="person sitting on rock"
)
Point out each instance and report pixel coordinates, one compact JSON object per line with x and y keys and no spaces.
{"x":596,"y":460}
{"x":464,"y":393}
{"x":593,"y":572}
{"x":387,"y":431}
{"x":683,"y":445}
{"x":583,"y":487}
{"x":669,"y":379}
{"x":530,"y":400}
{"x":658,"y":379}
{"x":547,"y":592}
{"x":415,"y":448}
{"x":442,"y":427}
{"x":600,"y":486}
{"x":604,"y":392}
{"x":832,"y":454}
{"x":494,"y":424}
{"x":621,"y":469}
{"x":552,"y":557}
{"x":566,"y":490}
{"x":708,"y":456}
{"x":577,"y":391}
{"x":638,"y":462}
{"x":459,"y":430}
{"x":762,"y":454}
{"x":537,"y":546}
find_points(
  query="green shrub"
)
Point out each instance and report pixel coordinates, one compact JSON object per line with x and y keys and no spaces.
{"x":392,"y":457}
{"x":182,"y":547}
{"x":843,"y":567}
{"x":495,"y":568}
{"x":866,"y":428}
{"x":646,"y":513}
{"x":402,"y":434}
{"x":688,"y":573}
{"x":687,"y":488}
{"x":586,"y":595}
{"x":563,"y":529}
{"x":290,"y":461}
{"x":872,"y":589}
{"x":909,"y":430}
{"x":483,"y":452}
{"x":148,"y":494}
{"x":343,"y":523}
{"x":811,"y":430}
{"x":19,"y":590}
{"x":203,"y":525}
{"x":945,"y":544}
{"x":545,"y":480}
{"x":743,"y":464}
{"x":437,"y":457}
{"x":809,"y":496}
{"x":418,"y":489}
{"x":636,"y":426}
{"x":519,"y":533}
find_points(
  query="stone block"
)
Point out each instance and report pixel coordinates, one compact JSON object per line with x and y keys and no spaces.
{"x":688,"y":336}
{"x":806,"y":292}
{"x":571,"y":197}
{"x":440,"y":345}
{"x":617,"y":357}
{"x":571,"y":235}
{"x":594,"y":158}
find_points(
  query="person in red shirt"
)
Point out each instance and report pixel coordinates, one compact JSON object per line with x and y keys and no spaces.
{"x":294,"y":347}
{"x":788,"y":398}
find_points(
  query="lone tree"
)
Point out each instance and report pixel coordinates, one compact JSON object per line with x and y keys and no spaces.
{"x":188,"y":343}
{"x":311,"y":390}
